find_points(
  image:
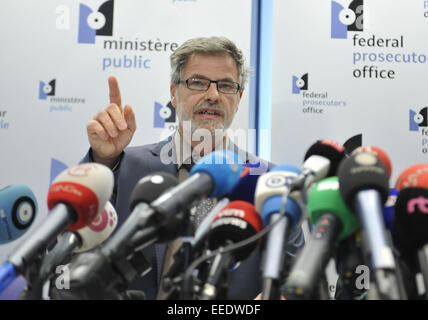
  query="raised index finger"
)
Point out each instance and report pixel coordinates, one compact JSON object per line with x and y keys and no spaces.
{"x":114,"y":91}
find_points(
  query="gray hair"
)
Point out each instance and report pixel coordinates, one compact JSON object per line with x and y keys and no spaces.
{"x":213,"y":46}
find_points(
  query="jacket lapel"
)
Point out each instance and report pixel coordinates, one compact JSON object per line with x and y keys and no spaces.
{"x":163,"y":148}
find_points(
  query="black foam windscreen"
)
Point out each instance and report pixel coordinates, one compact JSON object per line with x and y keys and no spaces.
{"x":329,"y":149}
{"x":151,"y":187}
{"x":410,"y":223}
{"x":353,"y":143}
{"x":236,"y":222}
{"x":229,"y":233}
{"x":362,"y":171}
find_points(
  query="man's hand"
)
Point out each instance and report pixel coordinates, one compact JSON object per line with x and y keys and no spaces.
{"x":112,"y":128}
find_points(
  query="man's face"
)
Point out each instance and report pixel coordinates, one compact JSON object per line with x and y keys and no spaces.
{"x":210,"y":109}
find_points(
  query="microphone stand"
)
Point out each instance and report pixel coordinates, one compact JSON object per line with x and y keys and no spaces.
{"x":174,"y":277}
{"x":34,"y":288}
{"x":219,"y":276}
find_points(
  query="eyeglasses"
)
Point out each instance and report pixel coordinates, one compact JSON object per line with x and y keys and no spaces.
{"x":223,"y":86}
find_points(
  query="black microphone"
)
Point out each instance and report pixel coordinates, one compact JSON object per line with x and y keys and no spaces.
{"x":133,"y":234}
{"x":410,"y":234}
{"x":364,"y":186}
{"x":236,"y":222}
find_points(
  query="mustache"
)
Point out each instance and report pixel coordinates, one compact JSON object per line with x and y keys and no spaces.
{"x":216,"y":107}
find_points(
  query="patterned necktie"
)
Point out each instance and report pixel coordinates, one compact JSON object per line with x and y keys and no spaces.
{"x":201,"y":210}
{"x":197,"y":214}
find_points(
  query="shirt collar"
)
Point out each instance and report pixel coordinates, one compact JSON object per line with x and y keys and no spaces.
{"x":183,"y":150}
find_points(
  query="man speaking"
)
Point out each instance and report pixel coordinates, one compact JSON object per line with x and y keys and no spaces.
{"x":208,"y":78}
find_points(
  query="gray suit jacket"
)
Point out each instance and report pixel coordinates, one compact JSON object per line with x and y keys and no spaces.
{"x":140,"y":161}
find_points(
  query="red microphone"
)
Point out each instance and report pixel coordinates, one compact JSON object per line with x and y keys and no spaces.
{"x":75,"y":198}
{"x":86,"y":188}
{"x":413,"y":176}
{"x":235,"y":222}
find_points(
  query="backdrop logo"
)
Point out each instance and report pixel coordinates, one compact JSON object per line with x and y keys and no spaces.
{"x":300,"y":83}
{"x":313,"y":102}
{"x":164,"y":115}
{"x":46,"y":89}
{"x":346,"y":19}
{"x":58,"y":103}
{"x":95,"y":23}
{"x":122,"y":51}
{"x":418,"y":119}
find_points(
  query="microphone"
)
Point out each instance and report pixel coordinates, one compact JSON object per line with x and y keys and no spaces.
{"x":246,"y":186}
{"x":378,"y":153}
{"x":133,"y":234}
{"x":408,"y":223}
{"x":389,"y":207}
{"x":18,"y":210}
{"x":236,"y":222}
{"x":321,"y":161}
{"x":349,"y":257}
{"x":205,"y":226}
{"x":410,"y":230}
{"x":76,"y":196}
{"x":244,"y":190}
{"x":410,"y":208}
{"x":81,"y":240}
{"x":269,"y":192}
{"x":333,"y":222}
{"x":106,"y":271}
{"x":364,"y":186}
{"x":413,"y":176}
{"x":214,"y":175}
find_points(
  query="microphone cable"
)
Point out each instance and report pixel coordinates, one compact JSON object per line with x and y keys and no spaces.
{"x":229,"y":248}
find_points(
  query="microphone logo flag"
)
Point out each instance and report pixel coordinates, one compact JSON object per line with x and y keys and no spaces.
{"x":420,"y":202}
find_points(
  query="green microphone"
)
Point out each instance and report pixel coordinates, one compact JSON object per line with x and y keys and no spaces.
{"x":333,"y":222}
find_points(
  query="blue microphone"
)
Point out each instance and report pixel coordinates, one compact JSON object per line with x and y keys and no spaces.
{"x":18,"y":210}
{"x":214,"y":175}
{"x":388,"y":209}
